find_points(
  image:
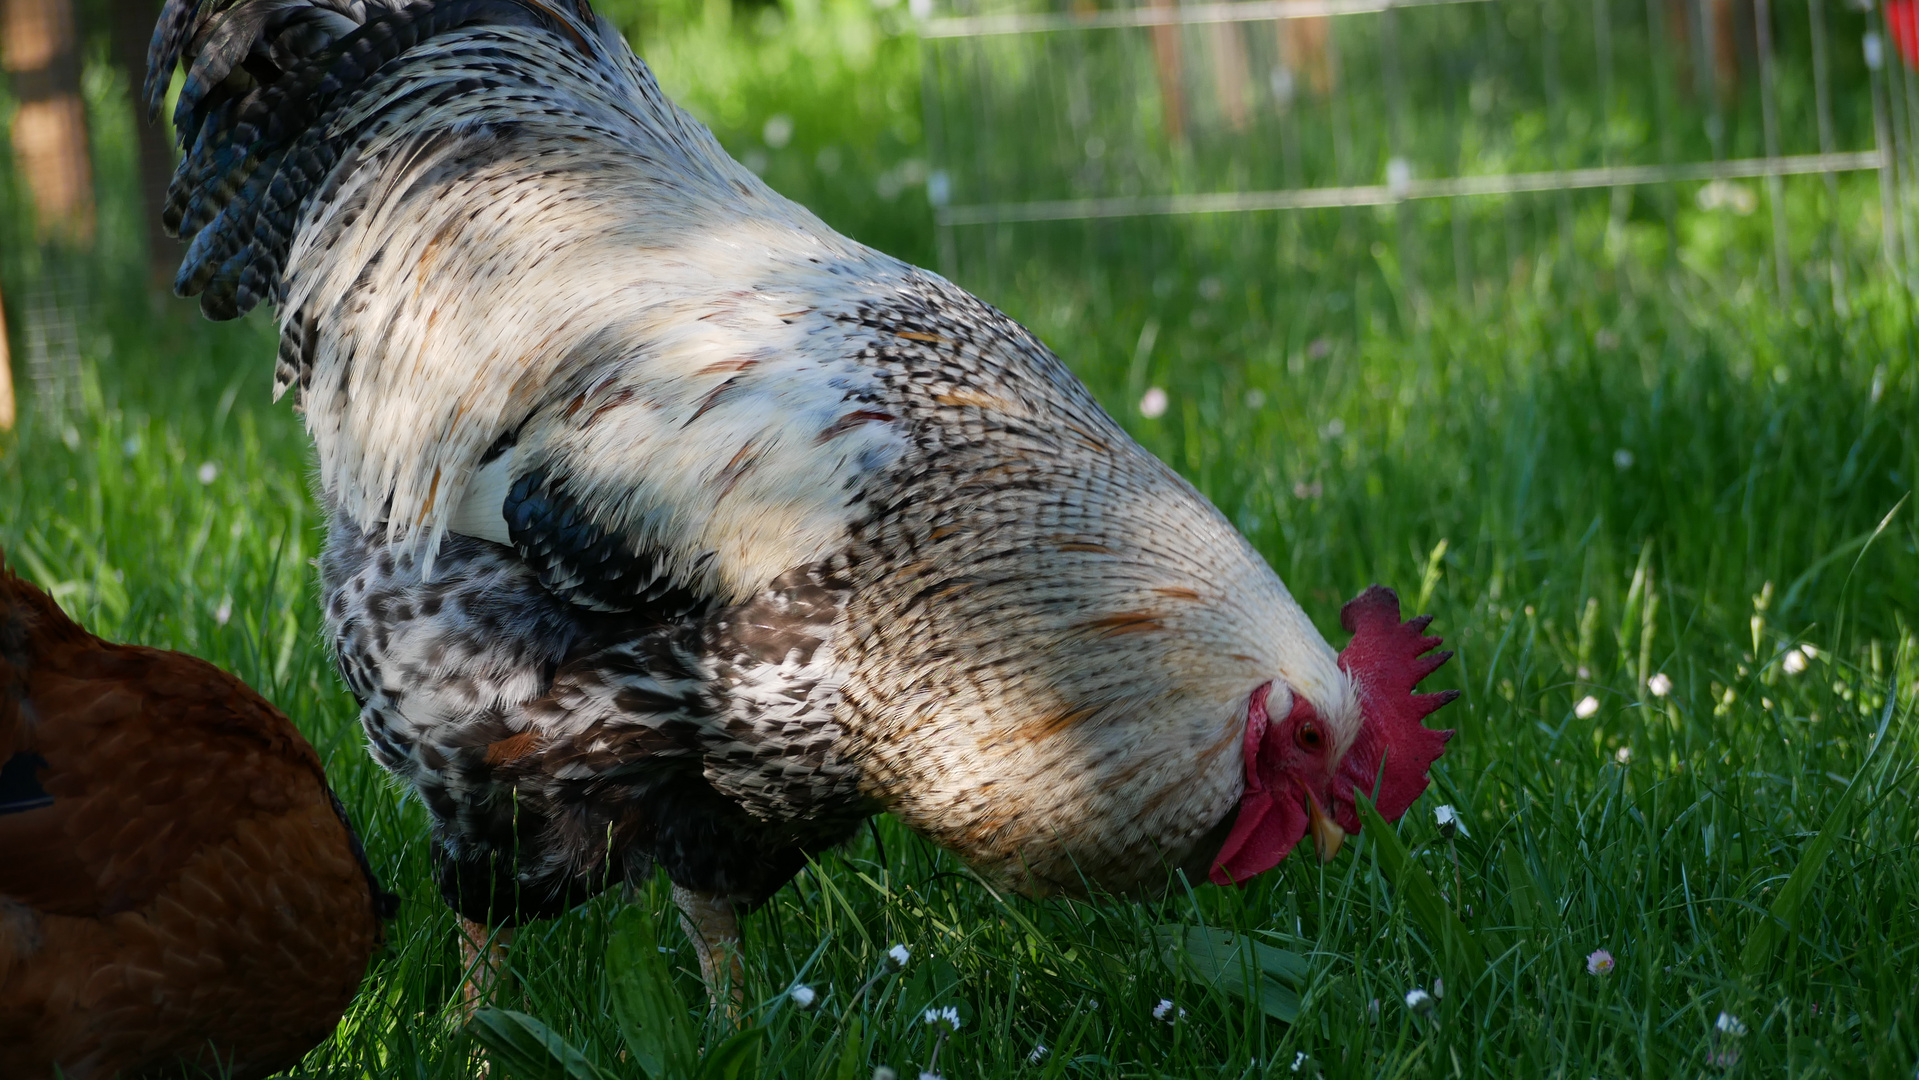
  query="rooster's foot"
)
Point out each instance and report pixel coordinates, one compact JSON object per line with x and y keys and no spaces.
{"x":714,"y":929}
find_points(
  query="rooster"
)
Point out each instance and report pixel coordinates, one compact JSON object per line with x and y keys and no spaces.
{"x":668,"y":528}
{"x":179,"y":887}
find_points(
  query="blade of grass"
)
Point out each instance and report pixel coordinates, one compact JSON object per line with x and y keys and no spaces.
{"x":1782,"y":918}
{"x":523,"y":1047}
{"x":1460,"y":948}
{"x":1238,"y":965}
{"x":651,"y":1015}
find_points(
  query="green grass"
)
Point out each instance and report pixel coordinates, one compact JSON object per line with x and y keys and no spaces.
{"x":1615,"y":459}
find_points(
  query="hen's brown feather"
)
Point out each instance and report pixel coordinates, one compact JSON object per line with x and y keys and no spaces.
{"x":178,"y":881}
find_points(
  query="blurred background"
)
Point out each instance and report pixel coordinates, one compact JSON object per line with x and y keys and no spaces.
{"x":1372,"y":157}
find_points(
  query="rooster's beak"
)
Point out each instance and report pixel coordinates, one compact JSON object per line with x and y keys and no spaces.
{"x":1327,"y":835}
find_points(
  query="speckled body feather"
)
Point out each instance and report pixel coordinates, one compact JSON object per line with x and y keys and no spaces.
{"x":670,"y":526}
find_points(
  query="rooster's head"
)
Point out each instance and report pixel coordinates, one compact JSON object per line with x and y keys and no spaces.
{"x":1305,"y":762}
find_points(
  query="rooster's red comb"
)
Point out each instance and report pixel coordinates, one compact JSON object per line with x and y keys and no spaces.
{"x":1386,"y":659}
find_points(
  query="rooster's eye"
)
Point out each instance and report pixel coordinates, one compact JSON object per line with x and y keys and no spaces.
{"x":1308,"y":737}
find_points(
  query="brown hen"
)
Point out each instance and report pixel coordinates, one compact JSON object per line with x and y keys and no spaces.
{"x":177,"y":883}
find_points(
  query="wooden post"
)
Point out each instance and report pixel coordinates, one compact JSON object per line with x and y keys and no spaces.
{"x":8,"y":411}
{"x":1171,"y":68}
{"x":50,"y":130}
{"x":129,"y":27}
{"x":1229,"y":73}
{"x":1305,"y":48}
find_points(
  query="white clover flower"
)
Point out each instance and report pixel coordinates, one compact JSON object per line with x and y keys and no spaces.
{"x":1587,"y":708}
{"x":1152,"y":404}
{"x":1600,"y":962}
{"x":209,"y":472}
{"x":1730,"y":1025}
{"x":803,"y":996}
{"x":1038,"y":1054}
{"x":949,"y":1016}
{"x":1659,"y":684}
{"x":1448,"y":820}
{"x":1623,"y":755}
{"x":899,"y":955}
{"x":1419,"y":1001}
{"x":1794,"y":663}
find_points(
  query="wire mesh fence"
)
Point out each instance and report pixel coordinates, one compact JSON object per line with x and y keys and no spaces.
{"x":1483,"y":134}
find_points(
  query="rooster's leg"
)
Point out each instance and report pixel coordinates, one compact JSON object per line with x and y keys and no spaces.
{"x":483,"y":957}
{"x":709,"y":921}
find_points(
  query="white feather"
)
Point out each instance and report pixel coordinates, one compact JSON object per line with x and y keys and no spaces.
{"x":479,"y":512}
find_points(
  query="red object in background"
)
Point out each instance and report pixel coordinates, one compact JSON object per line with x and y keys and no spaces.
{"x":1902,"y":19}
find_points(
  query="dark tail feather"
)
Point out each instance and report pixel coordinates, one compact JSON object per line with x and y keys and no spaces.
{"x":264,"y":80}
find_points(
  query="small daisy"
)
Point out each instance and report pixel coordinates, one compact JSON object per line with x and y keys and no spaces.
{"x":1165,"y":1011}
{"x":224,"y":612}
{"x":882,"y":1072}
{"x":1622,"y":459}
{"x":803,"y":996}
{"x":1730,"y":1025}
{"x":931,"y":1076}
{"x":1419,"y":1001}
{"x":1449,"y":821}
{"x":1038,"y":1055}
{"x":1299,"y":1060}
{"x":777,"y":131}
{"x":899,"y":955}
{"x":949,"y":1016}
{"x":1152,"y":404}
{"x":1587,"y":708}
{"x":209,"y":472}
{"x":1600,"y":962}
{"x":1623,"y":755}
{"x":1794,"y":663}
{"x":1660,"y":685}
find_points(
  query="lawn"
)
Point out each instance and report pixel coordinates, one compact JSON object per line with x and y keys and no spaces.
{"x":1661,"y":511}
